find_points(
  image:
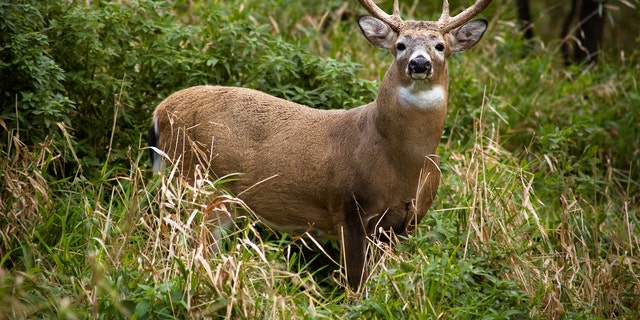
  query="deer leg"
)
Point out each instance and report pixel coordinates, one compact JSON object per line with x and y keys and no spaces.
{"x":219,"y":219}
{"x":353,"y":242}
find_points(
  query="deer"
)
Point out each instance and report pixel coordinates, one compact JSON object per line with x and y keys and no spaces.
{"x":349,"y":175}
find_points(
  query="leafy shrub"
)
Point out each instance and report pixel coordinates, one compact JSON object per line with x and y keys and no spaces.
{"x":32,"y":93}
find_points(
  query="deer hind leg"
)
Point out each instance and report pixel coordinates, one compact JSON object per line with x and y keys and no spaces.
{"x":218,"y":217}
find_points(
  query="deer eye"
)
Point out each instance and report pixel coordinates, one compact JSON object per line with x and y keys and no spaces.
{"x":440,"y":47}
{"x":400,"y":46}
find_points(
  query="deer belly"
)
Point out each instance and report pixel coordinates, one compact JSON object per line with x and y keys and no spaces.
{"x":303,"y":230}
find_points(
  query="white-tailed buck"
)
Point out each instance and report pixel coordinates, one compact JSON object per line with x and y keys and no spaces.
{"x":336,"y":174}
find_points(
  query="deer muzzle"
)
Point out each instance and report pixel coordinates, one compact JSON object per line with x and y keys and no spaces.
{"x":420,"y":67}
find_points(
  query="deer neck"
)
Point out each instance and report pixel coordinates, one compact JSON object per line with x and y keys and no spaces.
{"x":411,"y":114}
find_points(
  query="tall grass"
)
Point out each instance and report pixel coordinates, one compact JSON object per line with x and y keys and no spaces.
{"x":536,"y":217}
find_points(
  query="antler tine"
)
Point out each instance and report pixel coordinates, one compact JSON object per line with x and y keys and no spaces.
{"x":394,"y":21}
{"x":396,"y":9}
{"x":444,"y":18}
{"x":448,"y":23}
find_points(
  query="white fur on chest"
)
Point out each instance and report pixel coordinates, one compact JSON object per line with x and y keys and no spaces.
{"x":421,"y":97}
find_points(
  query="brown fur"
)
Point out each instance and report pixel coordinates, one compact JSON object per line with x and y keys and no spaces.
{"x":339,"y":174}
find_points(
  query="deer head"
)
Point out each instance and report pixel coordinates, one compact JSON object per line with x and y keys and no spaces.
{"x":421,"y":48}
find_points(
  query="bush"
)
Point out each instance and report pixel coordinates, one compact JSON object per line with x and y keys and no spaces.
{"x":32,"y":92}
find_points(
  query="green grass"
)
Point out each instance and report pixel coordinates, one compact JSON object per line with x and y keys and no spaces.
{"x":536,"y":217}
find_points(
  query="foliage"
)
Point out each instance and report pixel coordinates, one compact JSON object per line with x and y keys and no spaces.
{"x":537,"y":214}
{"x":31,"y":81}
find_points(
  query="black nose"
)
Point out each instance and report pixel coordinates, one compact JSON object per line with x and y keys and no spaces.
{"x":420,"y":65}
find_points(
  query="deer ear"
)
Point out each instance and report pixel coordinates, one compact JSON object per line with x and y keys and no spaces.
{"x":377,"y":32}
{"x":467,"y":35}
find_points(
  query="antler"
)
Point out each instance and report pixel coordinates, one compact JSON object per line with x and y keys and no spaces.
{"x":394,"y":21}
{"x":448,"y":22}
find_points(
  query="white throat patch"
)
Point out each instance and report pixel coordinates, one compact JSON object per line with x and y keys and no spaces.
{"x":420,"y":97}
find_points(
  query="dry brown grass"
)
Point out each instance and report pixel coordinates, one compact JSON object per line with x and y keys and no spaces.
{"x":23,"y":189}
{"x":243,"y":279}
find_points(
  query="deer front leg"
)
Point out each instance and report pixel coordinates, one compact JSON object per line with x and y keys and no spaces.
{"x":353,"y":241}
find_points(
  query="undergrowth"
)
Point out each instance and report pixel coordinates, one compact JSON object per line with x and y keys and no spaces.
{"x":536,"y":216}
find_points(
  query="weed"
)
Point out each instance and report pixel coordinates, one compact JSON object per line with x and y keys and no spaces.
{"x":537,"y":214}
